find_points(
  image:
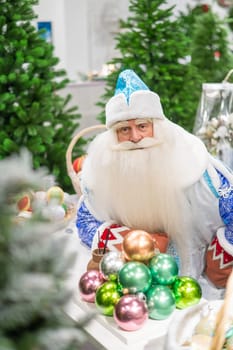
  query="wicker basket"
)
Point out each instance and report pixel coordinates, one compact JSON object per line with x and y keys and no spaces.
{"x":185,"y":322}
{"x":69,"y":164}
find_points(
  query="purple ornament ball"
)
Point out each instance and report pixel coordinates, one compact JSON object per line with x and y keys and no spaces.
{"x":130,"y":312}
{"x":88,"y":284}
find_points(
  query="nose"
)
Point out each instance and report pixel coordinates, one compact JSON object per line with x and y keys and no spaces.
{"x":135,"y":135}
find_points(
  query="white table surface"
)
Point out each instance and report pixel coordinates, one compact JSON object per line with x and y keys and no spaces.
{"x":103,"y":328}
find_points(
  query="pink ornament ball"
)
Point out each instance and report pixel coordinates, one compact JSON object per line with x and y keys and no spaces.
{"x":130,"y":312}
{"x":88,"y":284}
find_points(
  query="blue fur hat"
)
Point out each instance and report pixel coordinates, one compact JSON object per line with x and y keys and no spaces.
{"x":132,"y":100}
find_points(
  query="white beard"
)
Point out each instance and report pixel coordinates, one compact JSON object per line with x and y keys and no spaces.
{"x":143,"y":188}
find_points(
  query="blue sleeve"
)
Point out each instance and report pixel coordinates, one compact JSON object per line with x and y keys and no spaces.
{"x":87,"y":225}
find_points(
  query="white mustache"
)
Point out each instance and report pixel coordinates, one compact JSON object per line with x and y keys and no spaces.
{"x":146,"y":142}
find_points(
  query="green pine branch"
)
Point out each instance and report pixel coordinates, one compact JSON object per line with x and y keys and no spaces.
{"x":31,"y":111}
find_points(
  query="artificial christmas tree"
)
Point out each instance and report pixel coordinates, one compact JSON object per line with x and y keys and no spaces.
{"x":152,"y":43}
{"x":210,"y":48}
{"x":35,"y":265}
{"x":31,"y":113}
{"x":230,"y":17}
{"x":211,"y":54}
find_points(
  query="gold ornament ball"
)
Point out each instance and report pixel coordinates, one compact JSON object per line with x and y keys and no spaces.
{"x":55,"y":194}
{"x":138,"y":245}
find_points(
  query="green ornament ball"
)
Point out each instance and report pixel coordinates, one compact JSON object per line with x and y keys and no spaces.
{"x":135,"y":277}
{"x":107,"y":296}
{"x":229,"y":339}
{"x":187,"y":292}
{"x":164,"y":269}
{"x":160,"y":302}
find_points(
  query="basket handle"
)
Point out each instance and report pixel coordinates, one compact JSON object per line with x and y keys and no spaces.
{"x":69,"y":165}
{"x":223,"y":316}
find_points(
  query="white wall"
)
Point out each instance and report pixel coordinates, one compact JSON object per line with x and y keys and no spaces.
{"x":83,"y":31}
{"x":77,"y":43}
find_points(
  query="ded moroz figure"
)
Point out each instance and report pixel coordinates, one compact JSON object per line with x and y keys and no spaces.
{"x":147,"y":173}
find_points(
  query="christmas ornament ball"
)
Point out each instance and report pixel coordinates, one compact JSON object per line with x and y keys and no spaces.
{"x":110,"y":264}
{"x":55,"y":194}
{"x":54,"y":212}
{"x":160,"y":302}
{"x":78,"y":163}
{"x":229,"y":343}
{"x":24,"y":203}
{"x":187,"y":292}
{"x":106,"y":297}
{"x":141,"y":296}
{"x":40,"y":198}
{"x":134,"y":277}
{"x":130,"y":312}
{"x":138,"y":245}
{"x":88,"y":284}
{"x":164,"y":269}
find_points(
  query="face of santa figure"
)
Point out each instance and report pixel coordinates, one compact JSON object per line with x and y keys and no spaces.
{"x":129,"y":174}
{"x":134,"y":130}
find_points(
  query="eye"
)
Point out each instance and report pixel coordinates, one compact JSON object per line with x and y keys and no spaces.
{"x":124,"y":130}
{"x":143,"y":126}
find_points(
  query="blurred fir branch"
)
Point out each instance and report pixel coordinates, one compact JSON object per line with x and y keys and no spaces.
{"x":34,"y":271}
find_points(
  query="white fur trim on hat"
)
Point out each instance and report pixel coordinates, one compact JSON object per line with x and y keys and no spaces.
{"x":142,"y":104}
